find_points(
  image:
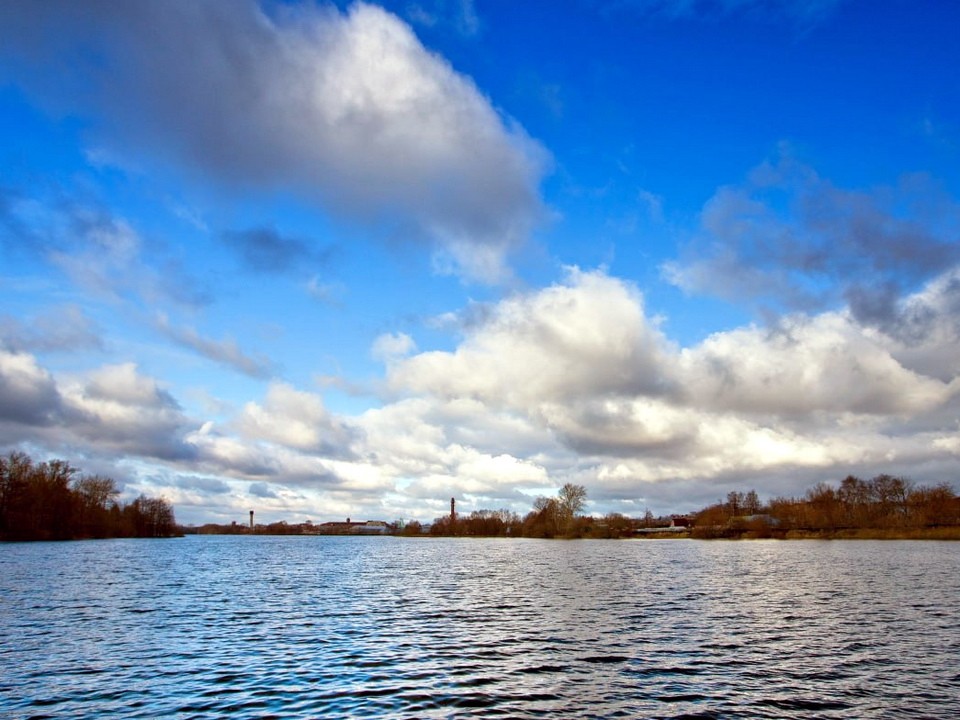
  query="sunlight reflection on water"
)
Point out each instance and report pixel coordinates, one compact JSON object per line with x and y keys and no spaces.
{"x":411,"y":628}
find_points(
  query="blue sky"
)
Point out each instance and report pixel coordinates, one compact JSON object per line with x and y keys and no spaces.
{"x":351,"y":260}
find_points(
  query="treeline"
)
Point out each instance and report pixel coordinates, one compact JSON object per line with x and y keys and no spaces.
{"x":883,"y":503}
{"x":53,"y":501}
{"x":234,"y":528}
{"x":551,"y":517}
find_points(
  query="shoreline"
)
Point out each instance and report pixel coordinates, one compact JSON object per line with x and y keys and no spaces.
{"x":938,"y":533}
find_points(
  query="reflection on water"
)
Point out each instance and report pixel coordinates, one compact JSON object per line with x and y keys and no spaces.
{"x":412,"y":628}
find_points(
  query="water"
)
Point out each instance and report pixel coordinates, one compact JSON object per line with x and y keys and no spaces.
{"x":290,"y":627}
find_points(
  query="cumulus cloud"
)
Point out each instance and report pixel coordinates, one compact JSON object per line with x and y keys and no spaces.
{"x":801,"y":366}
{"x":118,"y":408}
{"x":586,"y":337}
{"x":585,"y":386}
{"x":110,"y":411}
{"x":295,"y":419}
{"x":569,"y":383}
{"x":789,"y":239}
{"x":923,"y":329}
{"x":349,"y":110}
{"x":462,"y":449}
{"x":219,"y":452}
{"x":28,"y":393}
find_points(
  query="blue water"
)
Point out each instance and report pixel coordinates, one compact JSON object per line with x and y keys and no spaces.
{"x":290,"y":627}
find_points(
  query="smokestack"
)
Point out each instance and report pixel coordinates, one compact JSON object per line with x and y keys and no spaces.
{"x":251,"y":519}
{"x":453,"y":510}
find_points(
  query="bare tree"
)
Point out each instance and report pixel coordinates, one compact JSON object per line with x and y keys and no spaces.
{"x":572,"y":499}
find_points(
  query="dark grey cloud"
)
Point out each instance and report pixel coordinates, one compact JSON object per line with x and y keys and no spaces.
{"x":28,"y":393}
{"x":122,"y":411}
{"x":262,"y":490}
{"x":114,"y":411}
{"x":914,"y":319}
{"x":287,"y":99}
{"x":788,"y":239}
{"x":265,"y":250}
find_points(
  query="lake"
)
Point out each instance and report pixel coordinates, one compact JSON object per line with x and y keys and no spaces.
{"x":291,"y":627}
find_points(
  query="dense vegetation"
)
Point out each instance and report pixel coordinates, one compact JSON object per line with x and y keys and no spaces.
{"x":557,"y":517}
{"x":52,"y":501}
{"x":884,"y":506}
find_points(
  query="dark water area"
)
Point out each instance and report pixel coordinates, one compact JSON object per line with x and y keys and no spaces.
{"x":291,"y":627}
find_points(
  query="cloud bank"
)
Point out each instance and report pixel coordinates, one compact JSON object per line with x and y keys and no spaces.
{"x":570,"y":383}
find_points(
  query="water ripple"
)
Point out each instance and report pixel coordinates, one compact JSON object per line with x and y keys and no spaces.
{"x":256,"y":627}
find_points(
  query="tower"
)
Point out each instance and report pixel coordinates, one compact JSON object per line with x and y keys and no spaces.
{"x":453,"y":510}
{"x":251,"y":519}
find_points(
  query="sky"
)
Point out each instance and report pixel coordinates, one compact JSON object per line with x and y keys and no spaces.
{"x":352,"y":260}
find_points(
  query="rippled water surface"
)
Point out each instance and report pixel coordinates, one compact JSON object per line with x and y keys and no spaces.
{"x":252,"y":627}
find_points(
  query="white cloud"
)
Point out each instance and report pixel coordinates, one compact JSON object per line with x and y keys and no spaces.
{"x":349,"y":110}
{"x":583,"y":338}
{"x":390,"y":347}
{"x":801,"y":366}
{"x":294,"y":419}
{"x":607,"y":400}
{"x":571,"y":382}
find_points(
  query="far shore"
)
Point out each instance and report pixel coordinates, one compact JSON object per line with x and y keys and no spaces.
{"x":935,"y":533}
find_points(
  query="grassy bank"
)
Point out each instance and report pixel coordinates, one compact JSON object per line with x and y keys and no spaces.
{"x":723,"y":533}
{"x":937,"y":533}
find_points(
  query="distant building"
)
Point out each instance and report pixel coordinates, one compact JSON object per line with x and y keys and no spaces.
{"x":372,"y":527}
{"x":367,"y":527}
